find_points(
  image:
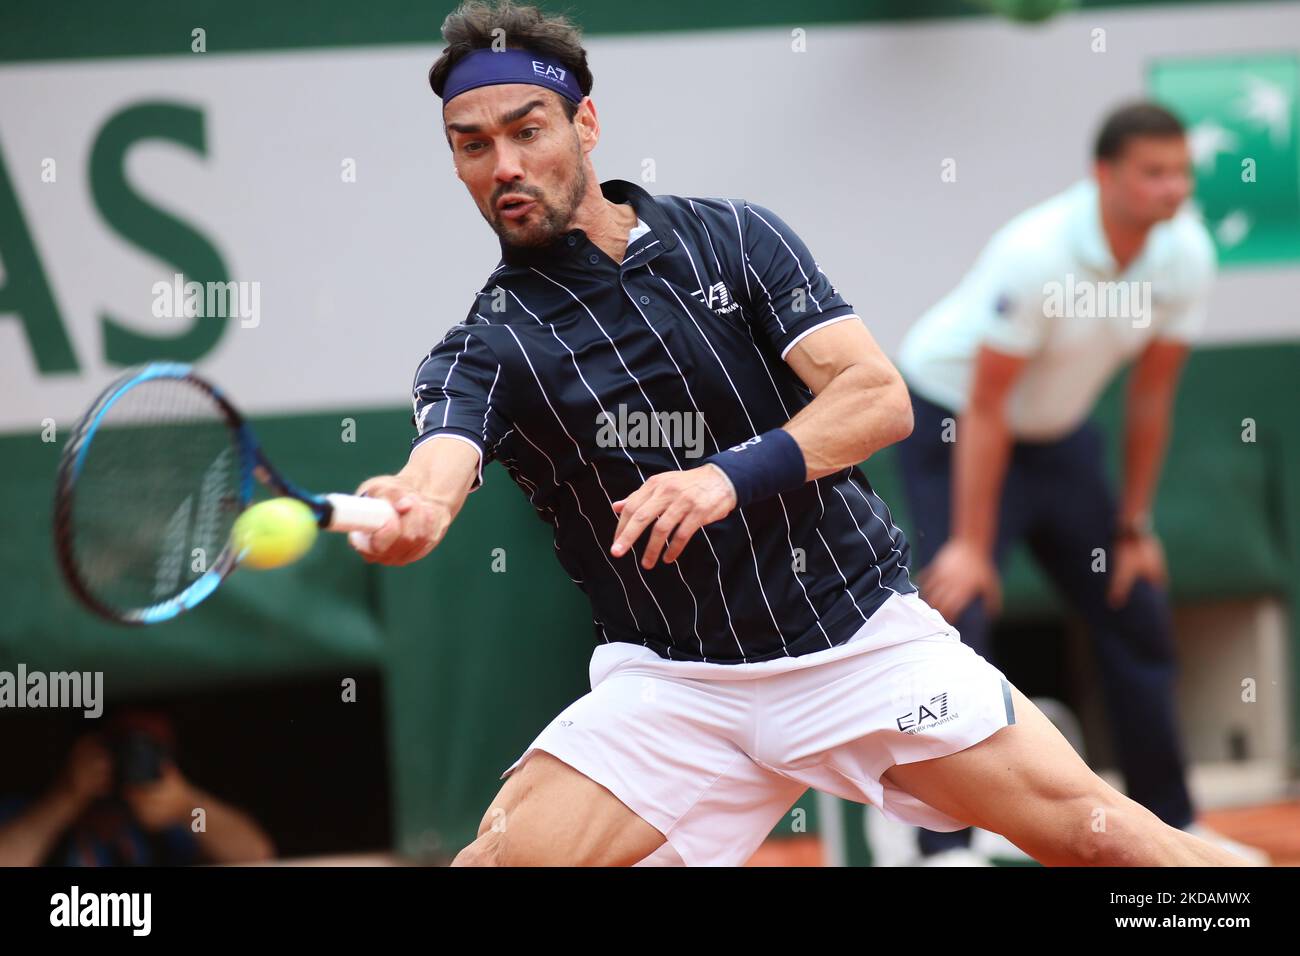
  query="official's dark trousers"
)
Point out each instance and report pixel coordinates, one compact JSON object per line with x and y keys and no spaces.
{"x":1056,"y":499}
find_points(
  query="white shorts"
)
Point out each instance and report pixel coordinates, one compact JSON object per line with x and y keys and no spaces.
{"x":713,"y":755}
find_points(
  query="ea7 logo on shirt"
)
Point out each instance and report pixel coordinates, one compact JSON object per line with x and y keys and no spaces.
{"x":926,"y":716}
{"x":718,"y":298}
{"x":550,"y":72}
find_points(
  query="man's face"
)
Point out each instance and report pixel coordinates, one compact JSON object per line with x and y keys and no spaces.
{"x":520,"y":158}
{"x":1150,"y":179}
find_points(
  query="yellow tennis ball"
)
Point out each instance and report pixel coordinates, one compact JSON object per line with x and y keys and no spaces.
{"x":274,"y":533}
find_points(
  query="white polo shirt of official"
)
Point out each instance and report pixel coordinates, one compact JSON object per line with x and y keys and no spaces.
{"x":1046,"y":287}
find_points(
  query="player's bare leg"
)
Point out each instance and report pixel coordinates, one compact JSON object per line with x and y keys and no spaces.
{"x":1027,"y":783}
{"x":548,"y":814}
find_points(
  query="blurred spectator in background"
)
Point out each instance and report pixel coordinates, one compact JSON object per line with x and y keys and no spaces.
{"x":1004,"y":373}
{"x":120,"y":800}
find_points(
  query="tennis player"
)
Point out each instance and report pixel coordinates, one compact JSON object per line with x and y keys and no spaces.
{"x":758,"y":633}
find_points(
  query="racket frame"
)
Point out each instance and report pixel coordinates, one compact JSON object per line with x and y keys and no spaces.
{"x":253,"y":466}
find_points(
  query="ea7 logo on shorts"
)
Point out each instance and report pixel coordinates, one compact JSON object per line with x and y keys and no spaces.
{"x":550,"y":72}
{"x":936,"y":712}
{"x":718,"y":298}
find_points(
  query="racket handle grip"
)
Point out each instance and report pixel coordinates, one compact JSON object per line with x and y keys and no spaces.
{"x":356,"y":513}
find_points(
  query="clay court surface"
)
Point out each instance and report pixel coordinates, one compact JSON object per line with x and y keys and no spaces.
{"x":1273,"y":827}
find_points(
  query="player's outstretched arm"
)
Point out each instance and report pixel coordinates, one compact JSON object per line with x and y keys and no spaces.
{"x":427,"y":494}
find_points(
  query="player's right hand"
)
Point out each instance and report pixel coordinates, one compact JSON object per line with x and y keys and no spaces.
{"x":960,"y":573}
{"x":418,"y":528}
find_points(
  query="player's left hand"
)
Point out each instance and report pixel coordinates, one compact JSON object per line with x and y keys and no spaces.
{"x":1134,"y":558}
{"x":678,"y":503}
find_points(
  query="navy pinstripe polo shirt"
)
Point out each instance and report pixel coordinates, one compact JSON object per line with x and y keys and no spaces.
{"x":584,"y":376}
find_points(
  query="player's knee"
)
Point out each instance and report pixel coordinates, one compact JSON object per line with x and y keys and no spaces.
{"x":1105,"y":831}
{"x":1062,"y":829}
{"x":493,"y":849}
{"x":494,"y":821}
{"x":1090,"y":845}
{"x":484,"y":851}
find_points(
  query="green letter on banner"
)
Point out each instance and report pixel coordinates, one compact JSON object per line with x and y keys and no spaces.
{"x":25,"y":292}
{"x":154,"y":230}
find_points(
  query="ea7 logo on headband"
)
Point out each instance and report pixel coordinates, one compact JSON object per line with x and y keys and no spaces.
{"x":550,"y":72}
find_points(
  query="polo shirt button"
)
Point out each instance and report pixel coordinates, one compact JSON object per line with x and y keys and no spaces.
{"x":573,"y":240}
{"x":645,"y":300}
{"x":593,"y":258}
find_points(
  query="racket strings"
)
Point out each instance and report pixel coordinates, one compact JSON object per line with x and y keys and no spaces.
{"x":157,"y":494}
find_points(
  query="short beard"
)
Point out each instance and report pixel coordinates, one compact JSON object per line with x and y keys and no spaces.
{"x":554,"y":222}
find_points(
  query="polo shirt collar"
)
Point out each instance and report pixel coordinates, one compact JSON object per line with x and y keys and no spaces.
{"x":572,"y":244}
{"x":1090,"y":242}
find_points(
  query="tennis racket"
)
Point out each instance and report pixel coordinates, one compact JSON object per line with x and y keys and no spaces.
{"x":149,"y":486}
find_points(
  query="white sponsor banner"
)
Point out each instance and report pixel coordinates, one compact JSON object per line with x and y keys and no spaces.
{"x":846,"y":138}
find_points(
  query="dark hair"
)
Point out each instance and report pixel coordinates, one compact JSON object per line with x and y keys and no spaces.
{"x":474,"y":25}
{"x":1133,"y":120}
